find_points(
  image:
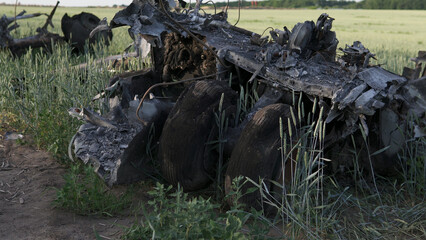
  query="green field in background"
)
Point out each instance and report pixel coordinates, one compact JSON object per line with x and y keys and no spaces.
{"x":394,"y":35}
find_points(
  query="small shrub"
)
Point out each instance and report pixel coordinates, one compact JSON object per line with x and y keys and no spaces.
{"x":175,"y":215}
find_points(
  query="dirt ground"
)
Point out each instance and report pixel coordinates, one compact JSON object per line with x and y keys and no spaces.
{"x":28,"y":178}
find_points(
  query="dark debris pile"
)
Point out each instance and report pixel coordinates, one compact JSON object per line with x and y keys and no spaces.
{"x":354,"y":93}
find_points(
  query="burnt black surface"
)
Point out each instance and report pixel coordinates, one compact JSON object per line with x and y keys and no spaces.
{"x":257,"y":152}
{"x":183,"y":152}
{"x":77,"y":28}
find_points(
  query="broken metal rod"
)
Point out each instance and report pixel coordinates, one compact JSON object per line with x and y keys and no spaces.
{"x":107,"y":60}
{"x":20,"y":17}
{"x":49,"y":18}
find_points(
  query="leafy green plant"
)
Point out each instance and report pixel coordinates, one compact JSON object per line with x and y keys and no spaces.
{"x":86,"y":194}
{"x":175,"y":215}
{"x":260,"y":226}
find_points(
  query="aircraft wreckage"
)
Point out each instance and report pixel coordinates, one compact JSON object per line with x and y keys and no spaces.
{"x":76,"y":30}
{"x":199,"y":63}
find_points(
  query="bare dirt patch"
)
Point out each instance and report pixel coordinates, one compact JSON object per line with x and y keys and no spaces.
{"x":28,"y":178}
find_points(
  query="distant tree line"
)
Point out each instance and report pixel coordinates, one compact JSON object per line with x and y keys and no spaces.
{"x":305,"y":3}
{"x":367,"y":4}
{"x":394,"y":4}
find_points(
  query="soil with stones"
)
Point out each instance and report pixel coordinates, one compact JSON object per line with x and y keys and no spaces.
{"x":28,"y":182}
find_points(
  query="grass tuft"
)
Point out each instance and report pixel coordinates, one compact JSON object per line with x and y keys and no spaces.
{"x":85,"y":193}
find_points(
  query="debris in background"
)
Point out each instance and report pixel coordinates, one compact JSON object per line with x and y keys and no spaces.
{"x":42,"y":39}
{"x":77,"y":29}
{"x":415,"y":73}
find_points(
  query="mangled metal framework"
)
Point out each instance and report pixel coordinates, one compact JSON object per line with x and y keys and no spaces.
{"x":302,"y":60}
{"x":76,"y":31}
{"x":17,"y":46}
{"x":351,"y":90}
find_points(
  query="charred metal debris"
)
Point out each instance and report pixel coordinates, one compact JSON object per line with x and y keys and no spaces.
{"x":76,"y":30}
{"x":186,"y":44}
{"x":43,"y":38}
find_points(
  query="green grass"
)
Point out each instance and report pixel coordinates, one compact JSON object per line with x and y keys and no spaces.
{"x":304,"y":209}
{"x":86,"y":194}
{"x":174,"y":215}
{"x":36,"y":90}
{"x":39,"y":88}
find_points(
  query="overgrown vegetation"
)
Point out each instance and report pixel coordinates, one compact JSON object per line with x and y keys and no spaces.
{"x":388,"y":208}
{"x":303,"y":205}
{"x":175,"y":215}
{"x":40,"y":88}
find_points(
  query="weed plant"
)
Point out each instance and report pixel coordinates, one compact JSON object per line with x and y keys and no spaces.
{"x":175,"y":215}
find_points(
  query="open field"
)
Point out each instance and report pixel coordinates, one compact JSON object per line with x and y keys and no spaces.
{"x":45,"y":197}
{"x":394,"y":35}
